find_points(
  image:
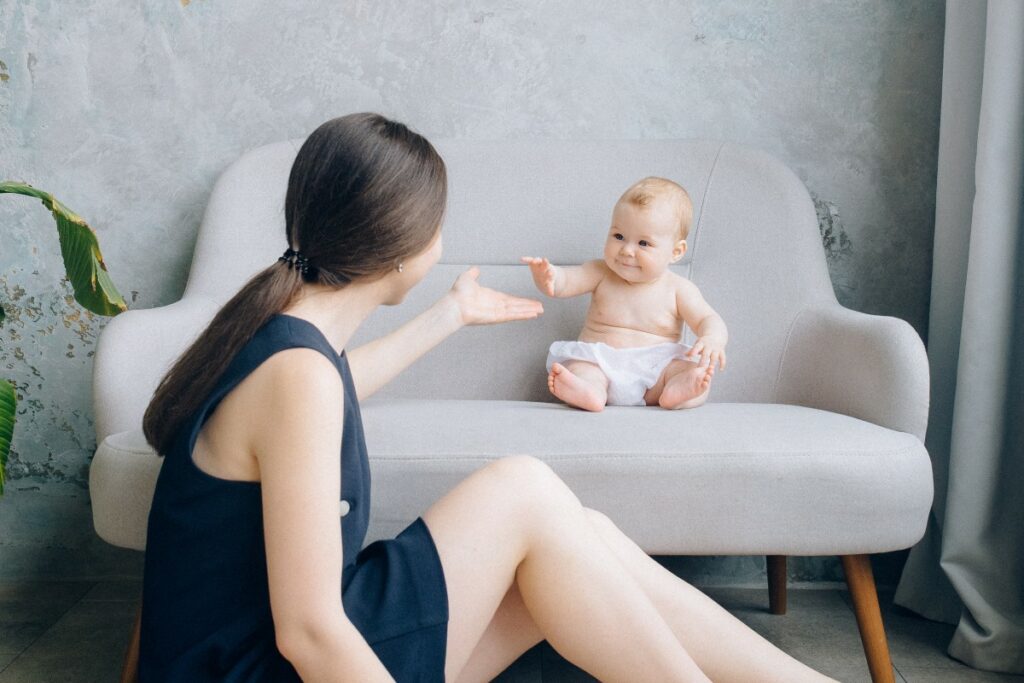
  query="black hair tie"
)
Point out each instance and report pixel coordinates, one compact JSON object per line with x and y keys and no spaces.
{"x":296,"y":260}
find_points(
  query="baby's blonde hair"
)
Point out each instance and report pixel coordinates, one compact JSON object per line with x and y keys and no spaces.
{"x":644,"y":191}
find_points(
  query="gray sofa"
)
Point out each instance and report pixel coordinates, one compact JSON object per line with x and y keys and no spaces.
{"x":811,"y":442}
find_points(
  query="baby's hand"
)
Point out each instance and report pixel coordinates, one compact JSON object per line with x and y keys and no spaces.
{"x":543,"y":273}
{"x":710,"y":349}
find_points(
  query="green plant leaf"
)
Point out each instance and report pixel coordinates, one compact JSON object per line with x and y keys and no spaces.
{"x":94,"y":289}
{"x":8,"y":403}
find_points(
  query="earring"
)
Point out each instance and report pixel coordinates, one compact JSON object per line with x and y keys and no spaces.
{"x":401,"y":265}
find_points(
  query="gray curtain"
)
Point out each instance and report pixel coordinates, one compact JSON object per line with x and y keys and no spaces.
{"x":969,"y":567}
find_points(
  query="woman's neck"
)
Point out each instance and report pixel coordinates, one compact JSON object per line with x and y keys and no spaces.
{"x":338,"y":313}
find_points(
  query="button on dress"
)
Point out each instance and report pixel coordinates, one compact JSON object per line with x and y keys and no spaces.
{"x":206,"y":602}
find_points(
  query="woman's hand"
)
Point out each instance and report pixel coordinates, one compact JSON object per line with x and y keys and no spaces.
{"x":478,"y":305}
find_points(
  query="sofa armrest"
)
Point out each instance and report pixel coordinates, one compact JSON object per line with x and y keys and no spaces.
{"x":134,"y":351}
{"x":871,"y":367}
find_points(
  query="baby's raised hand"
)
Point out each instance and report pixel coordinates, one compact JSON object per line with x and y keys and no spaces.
{"x":543,"y":273}
{"x":710,"y":350}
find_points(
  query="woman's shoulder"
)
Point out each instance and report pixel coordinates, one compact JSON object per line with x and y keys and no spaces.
{"x":298,"y":374}
{"x":287,"y":394}
{"x":290,"y":369}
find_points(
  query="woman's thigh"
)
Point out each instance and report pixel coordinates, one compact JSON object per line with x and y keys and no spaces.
{"x":510,"y":633}
{"x":482,"y":529}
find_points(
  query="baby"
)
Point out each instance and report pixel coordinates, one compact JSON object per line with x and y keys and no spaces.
{"x":628,"y":352}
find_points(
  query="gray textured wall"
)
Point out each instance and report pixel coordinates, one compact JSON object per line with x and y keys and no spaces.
{"x":128,"y":111}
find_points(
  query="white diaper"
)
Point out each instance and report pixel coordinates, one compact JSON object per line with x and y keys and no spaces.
{"x":630,"y":372}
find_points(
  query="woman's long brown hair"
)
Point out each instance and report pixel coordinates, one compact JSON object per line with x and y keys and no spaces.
{"x":364,"y":193}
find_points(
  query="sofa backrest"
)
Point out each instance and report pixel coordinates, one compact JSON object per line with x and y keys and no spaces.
{"x":754,"y":250}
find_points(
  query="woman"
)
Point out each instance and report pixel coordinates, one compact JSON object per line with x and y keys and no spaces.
{"x":247,"y":577}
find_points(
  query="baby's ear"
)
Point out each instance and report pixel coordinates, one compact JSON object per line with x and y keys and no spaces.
{"x":679,"y":250}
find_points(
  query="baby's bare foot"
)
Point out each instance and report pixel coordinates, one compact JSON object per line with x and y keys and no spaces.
{"x":685,"y":386}
{"x":573,"y":390}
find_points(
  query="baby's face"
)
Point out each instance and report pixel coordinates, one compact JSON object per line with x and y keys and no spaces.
{"x":642,"y":241}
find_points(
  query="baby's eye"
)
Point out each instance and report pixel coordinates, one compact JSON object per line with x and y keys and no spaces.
{"x":618,"y":236}
{"x":644,"y":243}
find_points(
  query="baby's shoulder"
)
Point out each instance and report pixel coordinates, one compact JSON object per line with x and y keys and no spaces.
{"x":596,"y":271}
{"x":680,"y":282}
{"x":684,"y":287}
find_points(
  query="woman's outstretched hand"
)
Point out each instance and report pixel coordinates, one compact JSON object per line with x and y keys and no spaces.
{"x":479,"y":305}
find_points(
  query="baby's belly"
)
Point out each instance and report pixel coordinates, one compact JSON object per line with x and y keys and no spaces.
{"x":622,"y":337}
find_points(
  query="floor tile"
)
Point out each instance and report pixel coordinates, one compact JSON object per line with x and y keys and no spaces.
{"x":29,"y":608}
{"x":47,"y":591}
{"x":914,"y":642}
{"x":125,"y":590}
{"x":957,"y":674}
{"x":87,"y":644}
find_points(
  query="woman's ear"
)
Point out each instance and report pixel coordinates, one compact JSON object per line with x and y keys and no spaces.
{"x":679,"y":250}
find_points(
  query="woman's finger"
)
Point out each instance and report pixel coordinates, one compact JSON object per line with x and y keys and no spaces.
{"x":523,"y":311}
{"x":509,"y":297}
{"x":468,"y":275}
{"x":520,"y":314}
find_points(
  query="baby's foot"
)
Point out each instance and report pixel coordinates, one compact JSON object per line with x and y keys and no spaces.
{"x":573,"y":390}
{"x":685,"y":386}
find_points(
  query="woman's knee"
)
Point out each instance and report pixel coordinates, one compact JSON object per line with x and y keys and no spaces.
{"x":598,"y":518}
{"x":532,"y":482}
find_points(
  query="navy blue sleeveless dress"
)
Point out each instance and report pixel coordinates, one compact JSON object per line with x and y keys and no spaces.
{"x":205,"y":600}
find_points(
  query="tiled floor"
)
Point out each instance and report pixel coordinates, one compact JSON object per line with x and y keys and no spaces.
{"x":77,"y":631}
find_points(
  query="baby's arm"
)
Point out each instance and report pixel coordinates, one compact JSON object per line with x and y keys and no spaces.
{"x":709,"y":327}
{"x":565,"y":281}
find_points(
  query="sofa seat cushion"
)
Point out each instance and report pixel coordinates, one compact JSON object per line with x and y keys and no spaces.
{"x":725,"y":478}
{"x":122,"y":478}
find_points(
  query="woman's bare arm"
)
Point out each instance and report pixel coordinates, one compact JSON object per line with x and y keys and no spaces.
{"x":378,"y":362}
{"x":297,"y":449}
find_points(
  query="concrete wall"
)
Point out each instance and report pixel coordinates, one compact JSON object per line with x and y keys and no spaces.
{"x":128,"y":111}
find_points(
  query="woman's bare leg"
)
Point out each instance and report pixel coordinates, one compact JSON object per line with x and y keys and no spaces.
{"x":515,"y":521}
{"x":510,"y":634}
{"x":724,"y":648}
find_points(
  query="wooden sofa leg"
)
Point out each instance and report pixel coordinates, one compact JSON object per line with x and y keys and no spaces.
{"x":130,"y":668}
{"x":869,"y":616}
{"x":777,"y":584}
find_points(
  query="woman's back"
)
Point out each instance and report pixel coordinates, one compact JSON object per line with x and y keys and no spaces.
{"x":206,"y":603}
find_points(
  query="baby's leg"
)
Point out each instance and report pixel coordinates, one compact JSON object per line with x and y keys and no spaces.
{"x":683,"y":384}
{"x":580,"y":384}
